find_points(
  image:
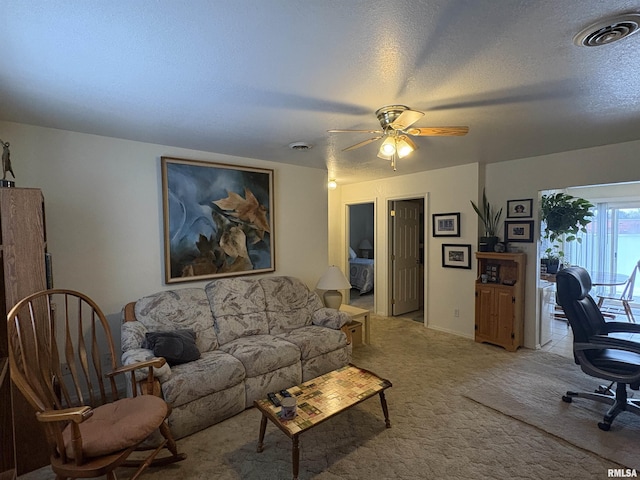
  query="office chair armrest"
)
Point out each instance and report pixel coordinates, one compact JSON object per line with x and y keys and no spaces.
{"x":74,"y":414}
{"x":601,"y":342}
{"x":622,"y":327}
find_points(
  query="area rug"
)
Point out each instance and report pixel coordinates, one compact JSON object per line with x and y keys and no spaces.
{"x":531,"y":391}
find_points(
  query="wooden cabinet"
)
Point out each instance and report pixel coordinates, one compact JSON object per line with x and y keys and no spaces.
{"x":22,"y":272}
{"x":500,"y":300}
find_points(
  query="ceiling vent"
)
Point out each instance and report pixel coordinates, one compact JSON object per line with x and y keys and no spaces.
{"x":299,"y":146}
{"x":608,"y":31}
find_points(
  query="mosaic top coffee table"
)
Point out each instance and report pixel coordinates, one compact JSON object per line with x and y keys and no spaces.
{"x":320,"y":399}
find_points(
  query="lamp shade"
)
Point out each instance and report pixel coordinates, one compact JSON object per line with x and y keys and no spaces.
{"x":333,"y":279}
{"x":365,"y":244}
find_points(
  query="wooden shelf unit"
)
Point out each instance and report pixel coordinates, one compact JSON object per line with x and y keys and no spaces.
{"x":22,"y":271}
{"x":499,"y":316}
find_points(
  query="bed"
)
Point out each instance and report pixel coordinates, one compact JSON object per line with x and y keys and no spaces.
{"x":361,"y":274}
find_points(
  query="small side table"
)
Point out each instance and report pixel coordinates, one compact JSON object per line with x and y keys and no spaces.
{"x":359,"y":314}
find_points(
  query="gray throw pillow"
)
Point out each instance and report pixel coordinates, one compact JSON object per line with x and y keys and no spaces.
{"x":177,"y":346}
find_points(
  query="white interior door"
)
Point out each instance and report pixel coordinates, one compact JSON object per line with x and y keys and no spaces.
{"x":405,"y":257}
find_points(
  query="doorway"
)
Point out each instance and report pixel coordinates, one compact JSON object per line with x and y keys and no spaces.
{"x":406,"y":269}
{"x":361,"y":257}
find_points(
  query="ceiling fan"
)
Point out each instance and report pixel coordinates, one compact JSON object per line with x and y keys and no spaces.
{"x":396,"y":121}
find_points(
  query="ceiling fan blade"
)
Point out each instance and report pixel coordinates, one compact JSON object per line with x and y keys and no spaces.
{"x":362,"y":144}
{"x":406,"y":118}
{"x":438,"y":131}
{"x":337,"y":130}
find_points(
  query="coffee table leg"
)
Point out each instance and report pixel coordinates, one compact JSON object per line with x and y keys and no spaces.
{"x":385,"y":410}
{"x":295,"y":457}
{"x":263,"y":428}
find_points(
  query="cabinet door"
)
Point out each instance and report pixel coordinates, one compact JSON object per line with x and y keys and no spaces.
{"x":504,"y":309}
{"x":485,"y":318}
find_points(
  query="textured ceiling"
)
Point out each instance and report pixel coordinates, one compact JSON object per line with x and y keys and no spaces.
{"x":249,"y":77}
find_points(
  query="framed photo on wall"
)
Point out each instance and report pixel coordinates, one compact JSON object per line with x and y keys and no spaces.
{"x":518,"y":231}
{"x":519,"y":208}
{"x":456,"y":256}
{"x":446,"y":224}
{"x":218,"y":220}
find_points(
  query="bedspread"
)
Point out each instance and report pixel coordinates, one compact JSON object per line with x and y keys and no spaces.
{"x":361,"y":274}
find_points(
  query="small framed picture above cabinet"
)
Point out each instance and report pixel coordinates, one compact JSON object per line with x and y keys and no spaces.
{"x":518,"y":231}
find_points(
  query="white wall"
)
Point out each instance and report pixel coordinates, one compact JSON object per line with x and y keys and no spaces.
{"x":446,"y":190}
{"x":104,"y":211}
{"x":524,"y":178}
{"x":449,"y":190}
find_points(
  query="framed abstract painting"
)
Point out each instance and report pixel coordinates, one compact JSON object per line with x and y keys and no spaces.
{"x":218,"y":220}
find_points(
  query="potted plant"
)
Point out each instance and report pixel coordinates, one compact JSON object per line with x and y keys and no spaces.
{"x":564,"y":216}
{"x":490,"y":218}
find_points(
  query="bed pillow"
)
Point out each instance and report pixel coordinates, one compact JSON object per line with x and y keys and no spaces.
{"x":177,"y":346}
{"x":352,"y":254}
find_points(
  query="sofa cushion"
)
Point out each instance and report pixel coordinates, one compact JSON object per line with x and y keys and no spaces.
{"x":238,"y":307}
{"x":262,"y":354}
{"x":313,"y":340}
{"x":179,"y":309}
{"x":178,"y":346}
{"x":289,"y":303}
{"x":213,"y":372}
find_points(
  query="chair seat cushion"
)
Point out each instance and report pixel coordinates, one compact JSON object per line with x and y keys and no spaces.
{"x":618,"y":362}
{"x":118,"y":425}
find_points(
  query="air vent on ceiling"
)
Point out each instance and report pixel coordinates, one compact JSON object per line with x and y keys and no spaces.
{"x":608,"y":31}
{"x":299,"y":146}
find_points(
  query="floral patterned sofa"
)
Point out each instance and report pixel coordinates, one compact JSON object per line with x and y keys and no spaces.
{"x":254,"y":336}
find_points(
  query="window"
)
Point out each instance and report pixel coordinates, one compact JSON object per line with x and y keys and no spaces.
{"x":612,"y":241}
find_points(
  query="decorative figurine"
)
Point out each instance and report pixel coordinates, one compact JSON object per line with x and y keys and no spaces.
{"x":6,"y":166}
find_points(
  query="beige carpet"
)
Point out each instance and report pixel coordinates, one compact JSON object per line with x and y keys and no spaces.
{"x":530,"y":390}
{"x":437,"y":432}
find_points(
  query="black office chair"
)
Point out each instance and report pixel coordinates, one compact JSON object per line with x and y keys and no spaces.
{"x":597,"y":349}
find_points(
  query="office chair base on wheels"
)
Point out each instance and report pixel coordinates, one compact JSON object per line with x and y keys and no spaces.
{"x":618,"y":400}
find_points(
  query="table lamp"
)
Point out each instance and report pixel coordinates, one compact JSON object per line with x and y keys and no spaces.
{"x":365,"y":247}
{"x":333,"y":280}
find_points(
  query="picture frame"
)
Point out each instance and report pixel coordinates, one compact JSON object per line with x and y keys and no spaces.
{"x":518,"y":231}
{"x":218,"y":220}
{"x":456,"y":256}
{"x":446,"y":224}
{"x":520,"y":208}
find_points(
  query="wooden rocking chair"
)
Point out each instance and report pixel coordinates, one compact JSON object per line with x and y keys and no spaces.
{"x":63,"y":360}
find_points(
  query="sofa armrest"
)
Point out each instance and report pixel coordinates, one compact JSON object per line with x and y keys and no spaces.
{"x":330,"y":318}
{"x":136,"y":355}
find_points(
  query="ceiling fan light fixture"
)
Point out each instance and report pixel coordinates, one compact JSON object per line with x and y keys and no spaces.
{"x":388,"y":147}
{"x":405,"y":146}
